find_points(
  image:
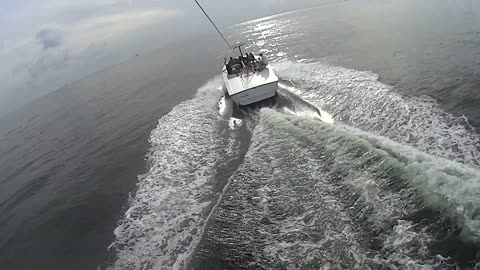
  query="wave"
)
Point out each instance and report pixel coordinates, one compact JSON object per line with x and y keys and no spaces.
{"x":392,"y":183}
{"x":358,"y":99}
{"x":311,"y":194}
{"x":192,"y":151}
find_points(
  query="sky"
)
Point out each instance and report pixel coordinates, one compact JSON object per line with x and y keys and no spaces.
{"x":46,"y":44}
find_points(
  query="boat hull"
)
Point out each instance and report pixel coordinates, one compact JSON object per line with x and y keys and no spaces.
{"x":250,"y":87}
{"x":255,"y":94}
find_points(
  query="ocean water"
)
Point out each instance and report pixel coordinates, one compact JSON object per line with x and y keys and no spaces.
{"x":367,"y":159}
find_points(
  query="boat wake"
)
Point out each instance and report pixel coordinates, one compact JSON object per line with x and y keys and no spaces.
{"x":358,"y":99}
{"x":393,"y":182}
{"x":310,"y":195}
{"x":192,"y":154}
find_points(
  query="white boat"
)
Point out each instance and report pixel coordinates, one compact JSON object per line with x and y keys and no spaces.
{"x":250,"y":84}
{"x":246,"y":82}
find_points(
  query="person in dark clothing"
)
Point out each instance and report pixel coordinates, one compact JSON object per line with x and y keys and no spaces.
{"x":251,"y":58}
{"x":236,"y":65}
{"x":229,"y":65}
{"x":254,"y":61}
{"x":247,"y":61}
{"x":240,"y":60}
{"x":231,"y":62}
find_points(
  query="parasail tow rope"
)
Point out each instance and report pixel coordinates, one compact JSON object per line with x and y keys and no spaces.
{"x":216,"y":28}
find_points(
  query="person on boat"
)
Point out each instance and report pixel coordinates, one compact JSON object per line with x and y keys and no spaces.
{"x":248,"y":61}
{"x":241,"y":61}
{"x":263,"y":61}
{"x":251,"y":60}
{"x":236,"y":65}
{"x":232,"y":63}
{"x":229,"y":65}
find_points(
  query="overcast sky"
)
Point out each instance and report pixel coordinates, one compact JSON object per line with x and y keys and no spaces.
{"x":45,"y":44}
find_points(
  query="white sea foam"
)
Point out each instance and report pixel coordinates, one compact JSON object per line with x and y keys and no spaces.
{"x":357,"y":98}
{"x":368,"y":164}
{"x":381,"y":136}
{"x":167,"y":215}
{"x":443,"y":183}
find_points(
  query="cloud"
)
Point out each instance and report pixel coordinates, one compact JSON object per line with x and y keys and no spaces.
{"x":49,"y":38}
{"x":42,"y":47}
{"x":57,"y":51}
{"x":85,"y":39}
{"x":120,"y":24}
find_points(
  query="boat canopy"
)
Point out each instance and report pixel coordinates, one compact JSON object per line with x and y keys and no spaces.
{"x":238,"y":44}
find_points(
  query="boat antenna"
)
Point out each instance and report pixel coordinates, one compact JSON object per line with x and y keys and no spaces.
{"x":216,"y":28}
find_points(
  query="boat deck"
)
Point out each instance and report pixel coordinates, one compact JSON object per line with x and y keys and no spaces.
{"x":244,"y":81}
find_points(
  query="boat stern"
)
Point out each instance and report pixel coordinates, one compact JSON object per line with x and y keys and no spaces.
{"x":255,"y":94}
{"x":250,"y":87}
